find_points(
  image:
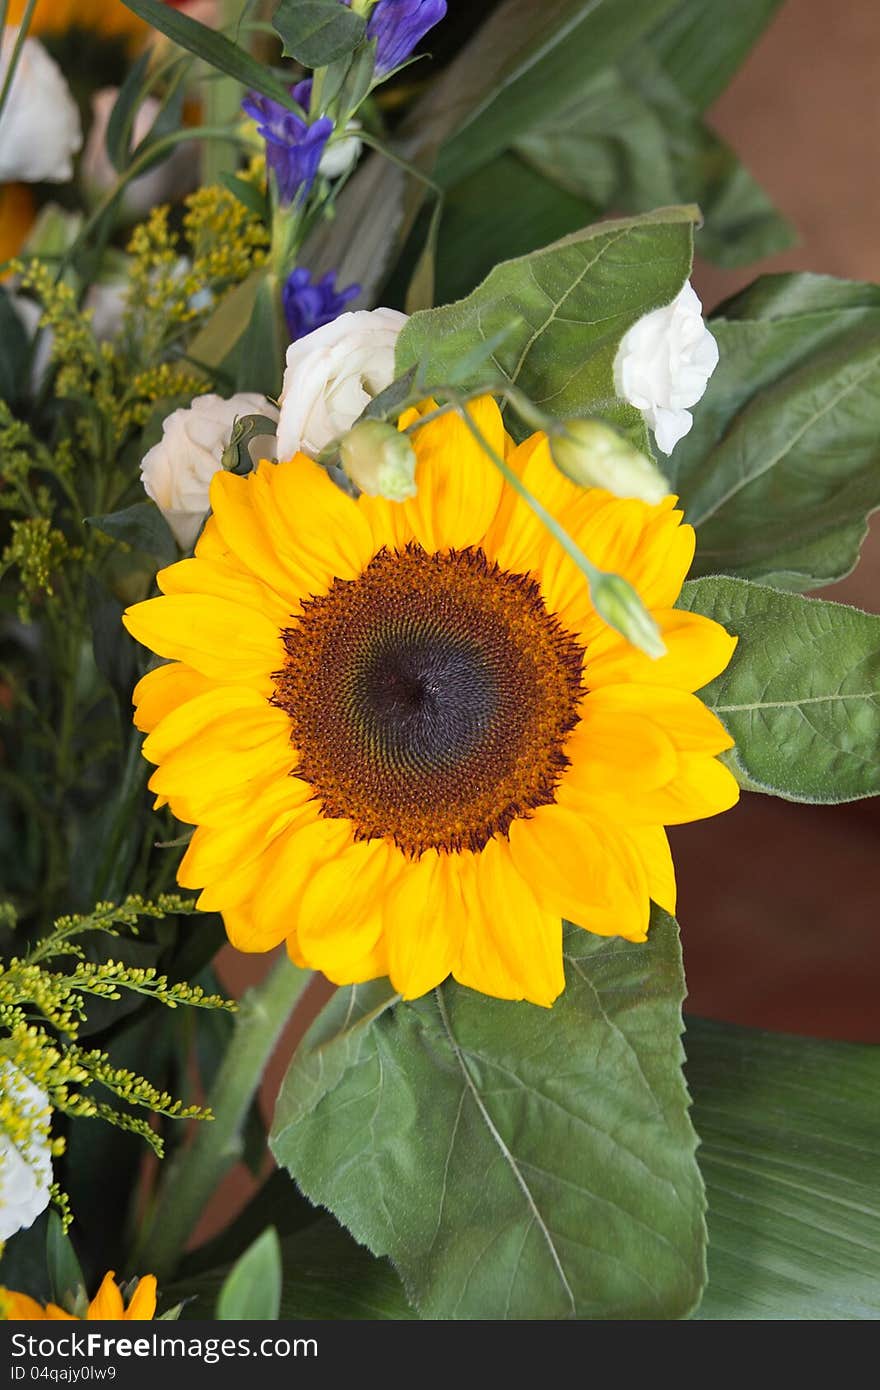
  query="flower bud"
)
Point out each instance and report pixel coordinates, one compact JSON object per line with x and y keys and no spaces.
{"x":593,"y":455}
{"x":379,"y":460}
{"x":618,"y":604}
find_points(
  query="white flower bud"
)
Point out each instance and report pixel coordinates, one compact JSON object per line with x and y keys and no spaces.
{"x":618,"y":604}
{"x":26,"y":1168}
{"x":341,"y":154}
{"x":663,"y":365}
{"x":380,"y":460}
{"x":167,"y":181}
{"x":593,"y":455}
{"x":332,"y":374}
{"x":40,"y":129}
{"x":177,"y":471}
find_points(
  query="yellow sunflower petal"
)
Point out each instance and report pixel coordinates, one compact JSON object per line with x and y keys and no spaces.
{"x":302,"y":850}
{"x":216,"y":852}
{"x":244,"y":719}
{"x":617,"y":749}
{"x":311,"y":523}
{"x":20,"y":1306}
{"x":243,"y":531}
{"x":583,"y":871}
{"x":107,"y":1303}
{"x":424,"y":918}
{"x":373,"y":965}
{"x":225,"y":579}
{"x":459,"y":487}
{"x":162,"y":690}
{"x":203,"y":780}
{"x":681,"y":716}
{"x":336,"y":920}
{"x":219,"y":638}
{"x":511,"y":947}
{"x":651,"y":843}
{"x":697,"y":650}
{"x":142,"y":1305}
{"x":702,"y":787}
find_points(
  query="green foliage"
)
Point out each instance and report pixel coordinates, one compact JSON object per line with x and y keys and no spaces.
{"x":317,"y":32}
{"x":216,"y":49}
{"x":251,"y":1291}
{"x":801,"y":695}
{"x":788,"y":1148}
{"x":566,"y":308}
{"x":782,"y":467}
{"x":513,"y":1162}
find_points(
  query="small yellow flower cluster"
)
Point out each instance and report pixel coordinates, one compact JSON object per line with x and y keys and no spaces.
{"x":37,"y":548}
{"x":227,"y":240}
{"x":154,"y":384}
{"x":55,"y":1062}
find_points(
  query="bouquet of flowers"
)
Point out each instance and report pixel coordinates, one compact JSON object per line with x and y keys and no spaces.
{"x":391,"y":552}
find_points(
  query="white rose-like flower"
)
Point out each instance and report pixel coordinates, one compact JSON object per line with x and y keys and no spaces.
{"x":332,"y":374}
{"x":173,"y":177}
{"x":40,"y":128}
{"x":663,"y":365}
{"x":26,"y":1170}
{"x":177,"y":471}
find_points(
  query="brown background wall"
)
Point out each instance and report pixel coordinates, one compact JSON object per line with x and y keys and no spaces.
{"x":778,"y":903}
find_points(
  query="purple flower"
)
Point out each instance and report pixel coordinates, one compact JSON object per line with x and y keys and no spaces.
{"x":308,"y":306}
{"x":293,"y":147}
{"x":398,"y":25}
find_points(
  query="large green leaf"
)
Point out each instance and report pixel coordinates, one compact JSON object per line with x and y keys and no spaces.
{"x":789,"y":1142}
{"x":562,"y":312}
{"x":801,"y":695}
{"x":630,"y":140}
{"x":513,"y":1162}
{"x":782,"y":467}
{"x":316,"y":32}
{"x":701,"y":50}
{"x":524,"y":62}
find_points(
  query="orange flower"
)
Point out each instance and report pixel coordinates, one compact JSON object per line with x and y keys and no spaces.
{"x":106,"y":1306}
{"x":108,"y":17}
{"x":17,"y":212}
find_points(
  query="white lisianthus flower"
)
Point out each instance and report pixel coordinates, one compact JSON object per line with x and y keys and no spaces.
{"x":25,"y":1169}
{"x":177,"y":471}
{"x":663,"y":365}
{"x":40,"y":128}
{"x":332,"y":374}
{"x":167,"y":181}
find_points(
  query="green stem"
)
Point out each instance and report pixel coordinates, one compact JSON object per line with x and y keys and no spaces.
{"x":196,"y":1171}
{"x":16,"y":52}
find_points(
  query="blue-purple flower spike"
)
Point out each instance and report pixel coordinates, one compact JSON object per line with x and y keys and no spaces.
{"x":293,"y":147}
{"x":308,"y":306}
{"x":398,"y":26}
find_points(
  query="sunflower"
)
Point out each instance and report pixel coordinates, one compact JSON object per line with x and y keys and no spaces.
{"x":106,"y":1306}
{"x":408,"y":743}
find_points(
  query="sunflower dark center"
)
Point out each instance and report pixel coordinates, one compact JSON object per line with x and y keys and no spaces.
{"x":429,"y":699}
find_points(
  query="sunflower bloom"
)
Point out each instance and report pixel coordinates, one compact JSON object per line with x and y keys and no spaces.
{"x":106,"y":1306}
{"x":408,"y":743}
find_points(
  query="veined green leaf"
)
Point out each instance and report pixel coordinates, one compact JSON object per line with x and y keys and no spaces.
{"x":513,"y":1162}
{"x":789,"y":1139}
{"x":317,"y":32}
{"x":628,"y":139}
{"x":801,"y":695}
{"x":782,"y":467}
{"x":570,"y":304}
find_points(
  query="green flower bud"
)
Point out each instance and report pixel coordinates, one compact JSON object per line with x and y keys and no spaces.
{"x":593,"y":455}
{"x":618,"y":604}
{"x":379,"y":460}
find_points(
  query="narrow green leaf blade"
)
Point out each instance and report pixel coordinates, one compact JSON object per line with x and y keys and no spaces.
{"x":801,"y":694}
{"x":513,"y":1162}
{"x":789,"y":1142}
{"x":317,"y":32}
{"x":65,"y":1275}
{"x":251,"y":1291}
{"x":213,"y":47}
{"x":702,"y":55}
